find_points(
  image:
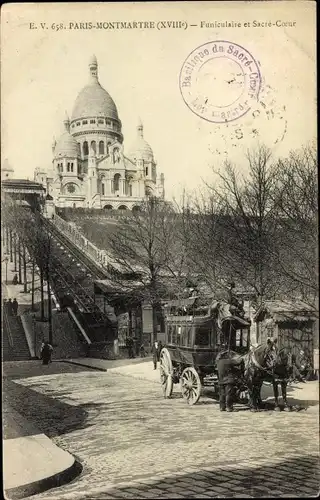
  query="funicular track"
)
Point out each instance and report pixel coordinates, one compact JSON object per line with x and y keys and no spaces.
{"x":94,"y":269}
{"x":72,"y":274}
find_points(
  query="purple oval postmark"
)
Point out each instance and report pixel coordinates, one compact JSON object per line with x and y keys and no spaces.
{"x":220,"y":81}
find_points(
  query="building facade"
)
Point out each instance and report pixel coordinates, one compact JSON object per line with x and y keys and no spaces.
{"x":89,"y":167}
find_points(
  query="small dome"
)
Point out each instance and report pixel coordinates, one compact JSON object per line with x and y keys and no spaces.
{"x":6,"y":166}
{"x":66,"y":146}
{"x":141,"y":149}
{"x":93,"y":60}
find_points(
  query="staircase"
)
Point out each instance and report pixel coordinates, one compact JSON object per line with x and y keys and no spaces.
{"x":7,"y":350}
{"x":14,"y":343}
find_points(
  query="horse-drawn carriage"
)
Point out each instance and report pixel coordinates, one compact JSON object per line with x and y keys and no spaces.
{"x":197,"y":330}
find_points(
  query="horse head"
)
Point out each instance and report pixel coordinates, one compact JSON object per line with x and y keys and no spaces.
{"x":271,"y":353}
{"x":288,"y":365}
{"x":265,"y":356}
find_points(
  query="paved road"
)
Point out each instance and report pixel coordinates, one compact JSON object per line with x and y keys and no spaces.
{"x":134,"y":444}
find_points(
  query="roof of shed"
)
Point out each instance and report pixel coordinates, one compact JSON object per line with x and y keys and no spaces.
{"x":284,"y":310}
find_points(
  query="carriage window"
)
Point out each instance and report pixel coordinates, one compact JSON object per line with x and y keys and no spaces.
{"x":189,"y":335}
{"x":169,"y":335}
{"x":174,"y":334}
{"x":183,"y":336}
{"x":202,"y":335}
{"x":179,"y":335}
{"x":245,"y":337}
{"x":238,"y":338}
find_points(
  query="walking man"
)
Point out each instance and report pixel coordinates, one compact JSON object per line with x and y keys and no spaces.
{"x":155,"y":348}
{"x":229,"y":371}
{"x":142,"y":351}
{"x":46,"y":353}
{"x":10,"y":307}
{"x":160,"y":346}
{"x":15,"y":306}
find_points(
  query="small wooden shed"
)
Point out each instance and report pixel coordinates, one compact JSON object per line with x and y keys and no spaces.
{"x":292,"y":323}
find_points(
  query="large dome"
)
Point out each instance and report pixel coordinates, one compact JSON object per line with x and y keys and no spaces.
{"x":141,"y":149}
{"x":93,"y":100}
{"x":66,"y":146}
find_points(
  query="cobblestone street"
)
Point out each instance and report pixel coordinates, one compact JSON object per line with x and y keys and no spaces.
{"x":134,"y":444}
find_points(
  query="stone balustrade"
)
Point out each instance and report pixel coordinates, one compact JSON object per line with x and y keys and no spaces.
{"x":98,"y":256}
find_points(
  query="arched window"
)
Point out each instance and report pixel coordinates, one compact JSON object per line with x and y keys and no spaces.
{"x":93,"y":146}
{"x":85,"y":148}
{"x":116,"y":182}
{"x":108,"y":146}
{"x":101,"y":148}
{"x":102,"y":189}
{"x":147,"y":170}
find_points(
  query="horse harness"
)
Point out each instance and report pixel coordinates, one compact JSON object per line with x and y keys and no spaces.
{"x":257,"y":364}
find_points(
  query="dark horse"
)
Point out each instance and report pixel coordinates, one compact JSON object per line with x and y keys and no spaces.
{"x":257,"y":363}
{"x":268,"y":363}
{"x":258,"y":366}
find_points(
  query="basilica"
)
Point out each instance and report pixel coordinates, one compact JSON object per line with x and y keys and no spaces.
{"x":89,"y":166}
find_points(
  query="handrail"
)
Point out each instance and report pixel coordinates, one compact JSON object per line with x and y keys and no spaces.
{"x":29,"y":335}
{"x":5,"y":316}
{"x":98,"y":256}
{"x":79,"y":325}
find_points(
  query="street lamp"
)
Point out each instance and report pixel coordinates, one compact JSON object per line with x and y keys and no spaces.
{"x":6,"y":260}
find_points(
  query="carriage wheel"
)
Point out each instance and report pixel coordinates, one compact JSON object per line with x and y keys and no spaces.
{"x":166,"y":373}
{"x":190,"y":385}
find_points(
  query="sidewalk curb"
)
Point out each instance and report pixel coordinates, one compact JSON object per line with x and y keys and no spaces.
{"x":45,"y":484}
{"x":82,"y":364}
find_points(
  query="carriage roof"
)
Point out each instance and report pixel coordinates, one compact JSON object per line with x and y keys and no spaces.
{"x":199,"y":310}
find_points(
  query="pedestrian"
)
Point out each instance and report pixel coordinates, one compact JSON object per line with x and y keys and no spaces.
{"x":155,"y":348}
{"x":46,"y":353}
{"x":9,"y":306}
{"x":15,"y":307}
{"x":229,"y":372}
{"x":136,"y":346}
{"x":160,"y":346}
{"x":15,"y":280}
{"x":129,"y":343}
{"x":142,"y":351}
{"x":5,"y":305}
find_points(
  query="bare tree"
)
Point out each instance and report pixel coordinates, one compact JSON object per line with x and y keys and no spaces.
{"x":201,"y":236}
{"x":297,"y":199}
{"x":145,"y":253}
{"x":238,"y":228}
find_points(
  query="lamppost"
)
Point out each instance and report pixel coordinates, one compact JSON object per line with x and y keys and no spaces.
{"x":6,"y":260}
{"x":34,"y":334}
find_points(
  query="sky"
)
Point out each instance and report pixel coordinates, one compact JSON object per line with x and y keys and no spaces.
{"x":43,"y":70}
